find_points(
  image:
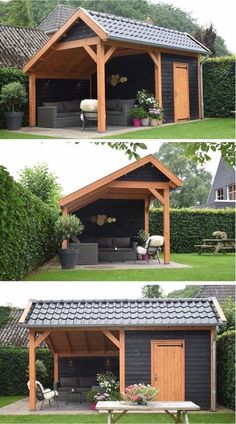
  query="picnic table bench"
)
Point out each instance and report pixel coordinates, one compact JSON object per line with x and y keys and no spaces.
{"x":177,"y":410}
{"x":216,"y":245}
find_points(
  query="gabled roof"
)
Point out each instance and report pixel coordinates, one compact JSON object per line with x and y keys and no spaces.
{"x":128,"y":313}
{"x":13,"y":334}
{"x":56,"y":19}
{"x":221,"y":292}
{"x":104,"y":182}
{"x":124,"y":29}
{"x":18,"y":45}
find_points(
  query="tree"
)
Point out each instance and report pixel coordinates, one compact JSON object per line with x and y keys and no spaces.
{"x":151,"y":291}
{"x":207,"y":36}
{"x":18,"y":13}
{"x":229,"y":311}
{"x":196,"y":181}
{"x":188,"y":291}
{"x":199,"y":151}
{"x":42,"y":183}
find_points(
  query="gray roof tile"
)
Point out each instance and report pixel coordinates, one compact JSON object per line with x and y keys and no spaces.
{"x":13,"y":334}
{"x":56,"y":18}
{"x":149,"y":312}
{"x":18,"y":45}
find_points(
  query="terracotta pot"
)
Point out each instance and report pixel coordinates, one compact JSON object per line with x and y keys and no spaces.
{"x":136,"y":122}
{"x":154,"y":122}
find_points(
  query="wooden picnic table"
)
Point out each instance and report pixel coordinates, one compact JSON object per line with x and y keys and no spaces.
{"x":178,"y":411}
{"x":216,"y":245}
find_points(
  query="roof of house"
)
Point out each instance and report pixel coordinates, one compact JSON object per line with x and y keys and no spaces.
{"x":13,"y":334}
{"x":18,"y":45}
{"x":129,"y":30}
{"x":225,"y":175}
{"x":56,"y":18}
{"x":221,"y":292}
{"x":139,"y":312}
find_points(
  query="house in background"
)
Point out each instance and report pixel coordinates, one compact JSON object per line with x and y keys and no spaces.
{"x":56,"y":19}
{"x":169,"y":343}
{"x":18,"y":45}
{"x":222,"y":194}
{"x":12,"y":333}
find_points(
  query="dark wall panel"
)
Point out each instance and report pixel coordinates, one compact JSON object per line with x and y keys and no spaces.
{"x":167,"y":61}
{"x":197,"y":361}
{"x":145,"y":173}
{"x":139,"y":70}
{"x":87,"y":367}
{"x":79,"y":31}
{"x":58,"y":90}
{"x":129,"y":216}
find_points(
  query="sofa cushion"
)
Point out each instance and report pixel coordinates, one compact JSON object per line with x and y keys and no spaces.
{"x":121,"y":103}
{"x":69,"y":381}
{"x":71,"y":105}
{"x":87,"y":381}
{"x":103,"y":241}
{"x":112,"y":104}
{"x":121,"y":242}
{"x":59,"y":105}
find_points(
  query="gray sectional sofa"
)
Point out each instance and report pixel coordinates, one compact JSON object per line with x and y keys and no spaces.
{"x":79,"y":385}
{"x":67,"y":113}
{"x":113,"y":249}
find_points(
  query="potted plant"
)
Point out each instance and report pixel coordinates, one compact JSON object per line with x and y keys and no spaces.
{"x":13,"y":97}
{"x":146,"y":99}
{"x":92,"y":398}
{"x":155,"y":114}
{"x":140,"y":394}
{"x":137,"y":114}
{"x":66,"y":228}
{"x":145,"y":119}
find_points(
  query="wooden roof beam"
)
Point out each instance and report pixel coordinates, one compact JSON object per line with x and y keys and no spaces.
{"x":138,"y":184}
{"x":111,"y":337}
{"x":68,"y":341}
{"x":157,"y":195}
{"x":91,"y":53}
{"x":67,"y":45}
{"x":109,"y":53}
{"x":41,"y":338}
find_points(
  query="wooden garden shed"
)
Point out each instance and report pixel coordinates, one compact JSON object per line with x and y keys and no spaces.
{"x":125,"y":194}
{"x":169,"y":343}
{"x":85,"y":54}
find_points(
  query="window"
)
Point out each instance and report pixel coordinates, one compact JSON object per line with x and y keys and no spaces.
{"x":231,"y":195}
{"x":219,"y":194}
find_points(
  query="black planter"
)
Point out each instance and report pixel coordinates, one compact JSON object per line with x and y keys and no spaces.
{"x":14,"y":120}
{"x":68,"y":257}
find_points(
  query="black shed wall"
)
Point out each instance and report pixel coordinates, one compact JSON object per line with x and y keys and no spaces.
{"x":167,"y":61}
{"x":197,"y":361}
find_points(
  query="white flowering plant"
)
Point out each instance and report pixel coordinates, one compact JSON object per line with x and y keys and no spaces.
{"x":146,"y":99}
{"x":109,"y":385}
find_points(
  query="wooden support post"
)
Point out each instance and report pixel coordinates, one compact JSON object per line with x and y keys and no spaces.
{"x":156,"y":58}
{"x":166,"y":213}
{"x":122,"y":361}
{"x":146,"y":214}
{"x":56,"y":368}
{"x":32,"y":371}
{"x":199,"y":73}
{"x":32,"y":100}
{"x":213,"y":369}
{"x":101,"y":87}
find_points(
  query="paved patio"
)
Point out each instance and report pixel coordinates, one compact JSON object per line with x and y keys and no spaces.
{"x":21,"y":407}
{"x":153,"y":264}
{"x":76,"y":132}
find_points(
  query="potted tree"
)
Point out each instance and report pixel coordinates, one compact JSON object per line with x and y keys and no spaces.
{"x":13,"y":97}
{"x":66,"y":228}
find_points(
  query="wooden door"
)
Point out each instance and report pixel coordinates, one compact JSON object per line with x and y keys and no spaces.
{"x":181,"y":92}
{"x":168,"y":369}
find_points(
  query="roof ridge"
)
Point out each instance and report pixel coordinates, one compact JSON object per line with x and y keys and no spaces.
{"x":159,"y":299}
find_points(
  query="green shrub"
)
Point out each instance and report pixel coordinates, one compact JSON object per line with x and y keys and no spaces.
{"x":189,"y":226}
{"x":26,"y":229}
{"x":226,"y":369}
{"x":13,"y":366}
{"x":219,"y":86}
{"x":8,"y":75}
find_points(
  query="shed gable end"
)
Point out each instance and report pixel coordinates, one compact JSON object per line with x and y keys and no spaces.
{"x":78,"y":31}
{"x":147,"y":172}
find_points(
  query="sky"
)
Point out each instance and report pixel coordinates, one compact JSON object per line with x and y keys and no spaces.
{"x":75,"y":165}
{"x":220,"y":14}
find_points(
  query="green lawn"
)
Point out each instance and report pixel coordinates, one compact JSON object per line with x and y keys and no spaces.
{"x":12,"y":135}
{"x":210,"y":417}
{"x":203,"y":268}
{"x":6,"y":400}
{"x":216,"y":128}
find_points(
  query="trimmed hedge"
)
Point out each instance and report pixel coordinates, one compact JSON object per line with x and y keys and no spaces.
{"x":13,"y":369}
{"x":8,"y":75}
{"x":226,"y":369}
{"x":219,"y":86}
{"x":26,"y":229}
{"x":189,"y":226}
